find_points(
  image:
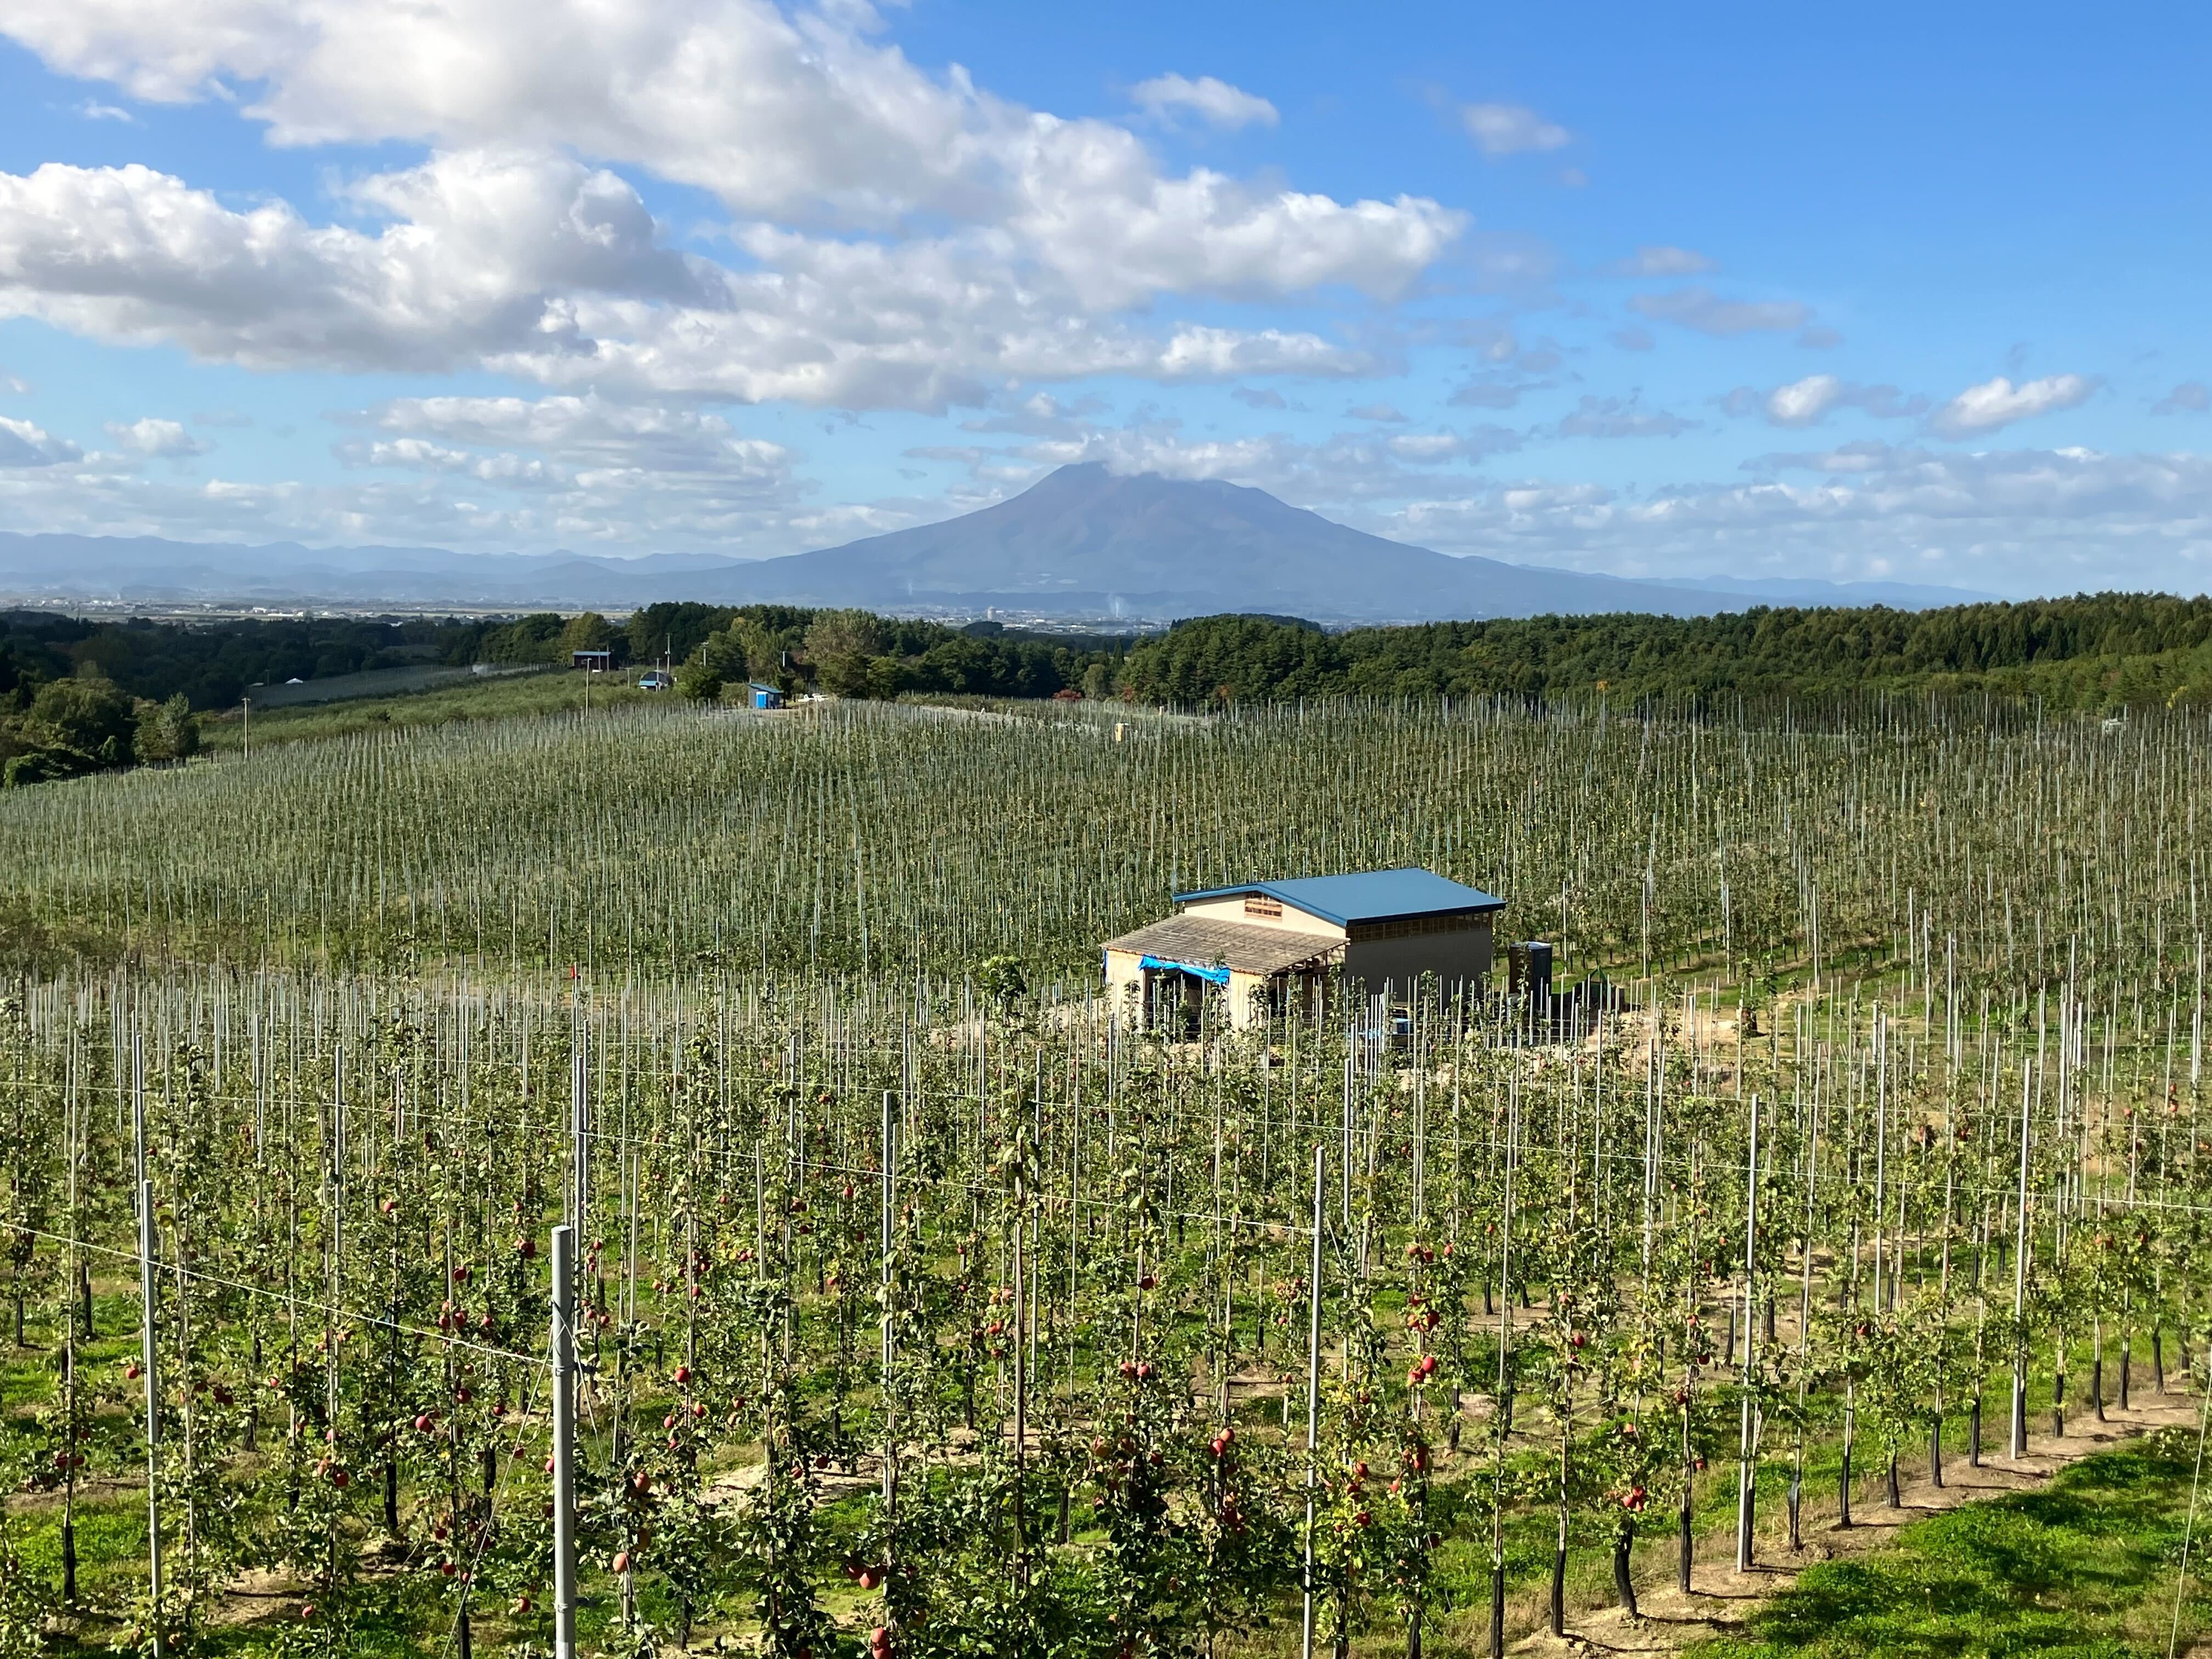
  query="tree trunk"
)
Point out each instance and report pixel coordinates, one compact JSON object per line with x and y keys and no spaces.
{"x":1624,"y":1584}
{"x":2127,"y":1357}
{"x":1974,"y":1432}
{"x":1936,"y":1454}
{"x":1844,"y":1486}
{"x":1796,"y":1502}
{"x":1896,"y":1500}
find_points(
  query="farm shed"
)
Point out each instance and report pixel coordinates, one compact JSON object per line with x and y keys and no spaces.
{"x":599,"y":661}
{"x":763,"y":697}
{"x":1276,"y":944}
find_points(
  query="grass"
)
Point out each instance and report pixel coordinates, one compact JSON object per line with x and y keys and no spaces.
{"x":504,"y":698}
{"x":2085,"y":1567}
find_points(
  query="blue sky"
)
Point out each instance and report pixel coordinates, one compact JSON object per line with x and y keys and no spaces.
{"x":1909,"y":293}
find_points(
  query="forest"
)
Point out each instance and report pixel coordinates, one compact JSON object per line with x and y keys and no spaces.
{"x":2104,"y":653}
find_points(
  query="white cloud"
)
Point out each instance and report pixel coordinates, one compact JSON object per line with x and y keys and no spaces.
{"x":1809,"y":401}
{"x":541,"y":267}
{"x":1861,"y":455}
{"x":2016,"y":521}
{"x":1215,"y":102}
{"x":22,"y":444}
{"x":1657,"y":259}
{"x":1510,"y":130}
{"x":1620,"y":418}
{"x":590,"y":432}
{"x":1999,"y":403}
{"x":1803,"y":402}
{"x":156,"y":439}
{"x":2189,"y":397}
{"x":1347,"y":467}
{"x":1701,"y":309}
{"x":1388,"y":413}
{"x":93,"y":110}
{"x":803,"y":117}
{"x":1427,"y":447}
{"x":130,"y":255}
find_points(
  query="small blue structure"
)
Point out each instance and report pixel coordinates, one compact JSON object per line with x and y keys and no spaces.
{"x":655,"y":679}
{"x":766,"y":696}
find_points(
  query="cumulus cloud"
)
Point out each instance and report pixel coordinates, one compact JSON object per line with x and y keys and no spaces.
{"x":1998,"y":403}
{"x":544,"y":267}
{"x":1809,"y":401}
{"x":1212,"y":102}
{"x":905,"y":239}
{"x":1511,"y":128}
{"x":2189,"y":397}
{"x":804,"y":117}
{"x":1620,"y":418}
{"x":156,"y":440}
{"x":1386,"y":413}
{"x":1701,"y":309}
{"x":22,"y":444}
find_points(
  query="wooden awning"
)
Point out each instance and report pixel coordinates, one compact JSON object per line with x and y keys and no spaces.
{"x":1203,"y":942}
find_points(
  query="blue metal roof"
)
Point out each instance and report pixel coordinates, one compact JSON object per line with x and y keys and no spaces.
{"x":1365,"y":895}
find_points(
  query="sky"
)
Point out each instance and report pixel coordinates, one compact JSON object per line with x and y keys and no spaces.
{"x":1901,"y":293}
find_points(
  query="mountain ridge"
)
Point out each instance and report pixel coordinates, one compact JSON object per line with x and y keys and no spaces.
{"x":1081,"y":544}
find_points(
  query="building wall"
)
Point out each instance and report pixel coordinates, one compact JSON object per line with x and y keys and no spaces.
{"x":1122,"y":972}
{"x":1460,"y":957}
{"x":1292,"y":920}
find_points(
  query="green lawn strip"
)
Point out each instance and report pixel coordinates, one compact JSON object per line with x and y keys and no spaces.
{"x":2085,"y":1566}
{"x":492,"y":699}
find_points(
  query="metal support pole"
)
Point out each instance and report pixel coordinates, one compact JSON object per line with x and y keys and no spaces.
{"x":2019,"y":1283}
{"x":564,"y":1443}
{"x":146,"y":1257}
{"x":890,"y":1151}
{"x":1313,"y":1399}
{"x":1746,"y":1475}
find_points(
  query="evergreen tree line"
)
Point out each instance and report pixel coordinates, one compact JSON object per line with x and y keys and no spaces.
{"x":2103,"y":652}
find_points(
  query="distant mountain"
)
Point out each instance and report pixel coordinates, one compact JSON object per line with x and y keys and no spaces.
{"x":1086,"y":542}
{"x":1082,"y":543}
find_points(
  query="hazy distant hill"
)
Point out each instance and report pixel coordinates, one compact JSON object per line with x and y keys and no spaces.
{"x":1087,"y":542}
{"x":1083,"y":542}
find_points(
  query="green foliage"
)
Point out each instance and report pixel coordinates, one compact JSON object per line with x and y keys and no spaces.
{"x":2111,"y":651}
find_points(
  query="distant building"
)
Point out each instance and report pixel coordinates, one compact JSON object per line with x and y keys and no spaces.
{"x":600,"y":661}
{"x":655,"y":679}
{"x":1274,"y":944}
{"x":765,"y":696}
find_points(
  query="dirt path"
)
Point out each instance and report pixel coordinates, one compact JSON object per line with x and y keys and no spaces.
{"x":1723,"y":1600}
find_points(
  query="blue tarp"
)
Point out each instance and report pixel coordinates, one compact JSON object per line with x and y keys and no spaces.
{"x":1214,"y":975}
